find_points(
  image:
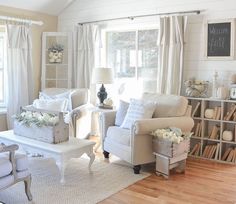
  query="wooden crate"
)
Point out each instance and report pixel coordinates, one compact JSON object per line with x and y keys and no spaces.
{"x":49,"y":134}
{"x":170,"y":155}
{"x":170,"y":149}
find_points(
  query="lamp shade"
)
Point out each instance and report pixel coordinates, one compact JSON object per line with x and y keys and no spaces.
{"x":102,"y":76}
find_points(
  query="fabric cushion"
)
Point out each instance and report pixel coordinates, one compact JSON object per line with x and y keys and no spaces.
{"x":54,"y":91}
{"x":121,"y":112}
{"x":6,"y":181}
{"x":76,"y":97}
{"x":5,"y":166}
{"x":79,"y":97}
{"x":51,"y":104}
{"x":21,"y":162}
{"x":64,"y":95}
{"x":138,"y":109}
{"x":118,"y":135}
{"x":168,"y":105}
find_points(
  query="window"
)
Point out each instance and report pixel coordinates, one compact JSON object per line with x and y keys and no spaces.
{"x":2,"y":67}
{"x":134,"y":57}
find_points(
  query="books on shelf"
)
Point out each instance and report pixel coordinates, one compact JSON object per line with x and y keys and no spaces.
{"x":196,"y":150}
{"x":221,"y":116}
{"x":214,"y":113}
{"x":230,"y":112}
{"x":234,"y":116}
{"x":234,"y":133}
{"x":196,"y":108}
{"x":217,"y":151}
{"x":234,"y":157}
{"x":230,"y":155}
{"x":214,"y":132}
{"x":218,"y":113}
{"x":226,"y":154}
{"x":210,"y":151}
{"x":198,"y":129}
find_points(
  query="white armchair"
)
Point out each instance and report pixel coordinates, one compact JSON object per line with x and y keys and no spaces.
{"x":80,"y":113}
{"x":135,"y":145}
{"x":13,"y":169}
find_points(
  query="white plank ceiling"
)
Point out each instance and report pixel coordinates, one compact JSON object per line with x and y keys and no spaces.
{"x":52,"y":7}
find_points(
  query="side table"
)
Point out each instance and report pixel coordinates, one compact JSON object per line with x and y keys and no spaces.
{"x":96,"y":123}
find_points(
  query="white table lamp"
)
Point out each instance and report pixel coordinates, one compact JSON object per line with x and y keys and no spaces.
{"x":102,"y":76}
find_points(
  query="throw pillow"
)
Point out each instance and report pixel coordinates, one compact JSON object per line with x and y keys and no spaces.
{"x":138,"y":109}
{"x":60,"y":105}
{"x":121,"y":112}
{"x":65,"y":95}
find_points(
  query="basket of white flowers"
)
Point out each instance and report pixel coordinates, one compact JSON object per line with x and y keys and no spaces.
{"x":55,"y":53}
{"x":42,"y":126}
{"x":170,"y":142}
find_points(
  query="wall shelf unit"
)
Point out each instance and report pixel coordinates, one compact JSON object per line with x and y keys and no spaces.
{"x":56,"y":69}
{"x":207,"y":141}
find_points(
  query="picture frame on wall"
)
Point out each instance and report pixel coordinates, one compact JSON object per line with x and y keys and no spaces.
{"x":220,"y":39}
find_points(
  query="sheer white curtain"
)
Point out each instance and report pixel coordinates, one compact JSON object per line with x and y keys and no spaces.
{"x":19,"y":69}
{"x":171,"y":53}
{"x":87,"y":43}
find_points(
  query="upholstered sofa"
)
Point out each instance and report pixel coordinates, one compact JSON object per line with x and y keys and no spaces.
{"x":79,"y":108}
{"x":14,"y":168}
{"x":134,"y":145}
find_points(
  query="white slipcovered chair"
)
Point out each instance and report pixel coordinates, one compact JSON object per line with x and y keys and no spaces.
{"x":79,"y":108}
{"x":14,"y":168}
{"x":80,"y":112}
{"x":134,"y":145}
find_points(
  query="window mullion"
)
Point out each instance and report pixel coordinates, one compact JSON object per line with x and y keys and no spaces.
{"x":136,"y":51}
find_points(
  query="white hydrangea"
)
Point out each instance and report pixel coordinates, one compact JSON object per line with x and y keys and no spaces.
{"x":37,"y":118}
{"x":174,"y":135}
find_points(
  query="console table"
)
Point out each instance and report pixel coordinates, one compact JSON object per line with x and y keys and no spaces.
{"x":61,"y":153}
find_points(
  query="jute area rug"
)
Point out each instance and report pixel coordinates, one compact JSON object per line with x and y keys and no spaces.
{"x":80,"y":187}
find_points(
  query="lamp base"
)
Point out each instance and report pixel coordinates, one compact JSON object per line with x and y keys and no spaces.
{"x":103,"y":106}
{"x":102,"y":94}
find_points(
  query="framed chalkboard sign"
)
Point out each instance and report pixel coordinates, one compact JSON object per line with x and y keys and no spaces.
{"x":220,"y":39}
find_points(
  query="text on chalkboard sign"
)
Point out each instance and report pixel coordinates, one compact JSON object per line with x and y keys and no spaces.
{"x":220,"y":39}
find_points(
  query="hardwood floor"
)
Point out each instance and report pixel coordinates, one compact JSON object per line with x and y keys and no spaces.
{"x":204,"y":182}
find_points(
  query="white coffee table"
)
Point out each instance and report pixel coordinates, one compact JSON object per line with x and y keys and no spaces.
{"x":61,"y":153}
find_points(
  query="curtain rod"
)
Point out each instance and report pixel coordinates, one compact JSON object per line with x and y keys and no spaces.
{"x":21,"y":20}
{"x":140,"y":16}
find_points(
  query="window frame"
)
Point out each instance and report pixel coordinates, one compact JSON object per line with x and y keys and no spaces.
{"x":135,"y":29}
{"x":3,"y":103}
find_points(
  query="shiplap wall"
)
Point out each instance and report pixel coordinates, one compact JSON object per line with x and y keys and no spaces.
{"x":195,"y":65}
